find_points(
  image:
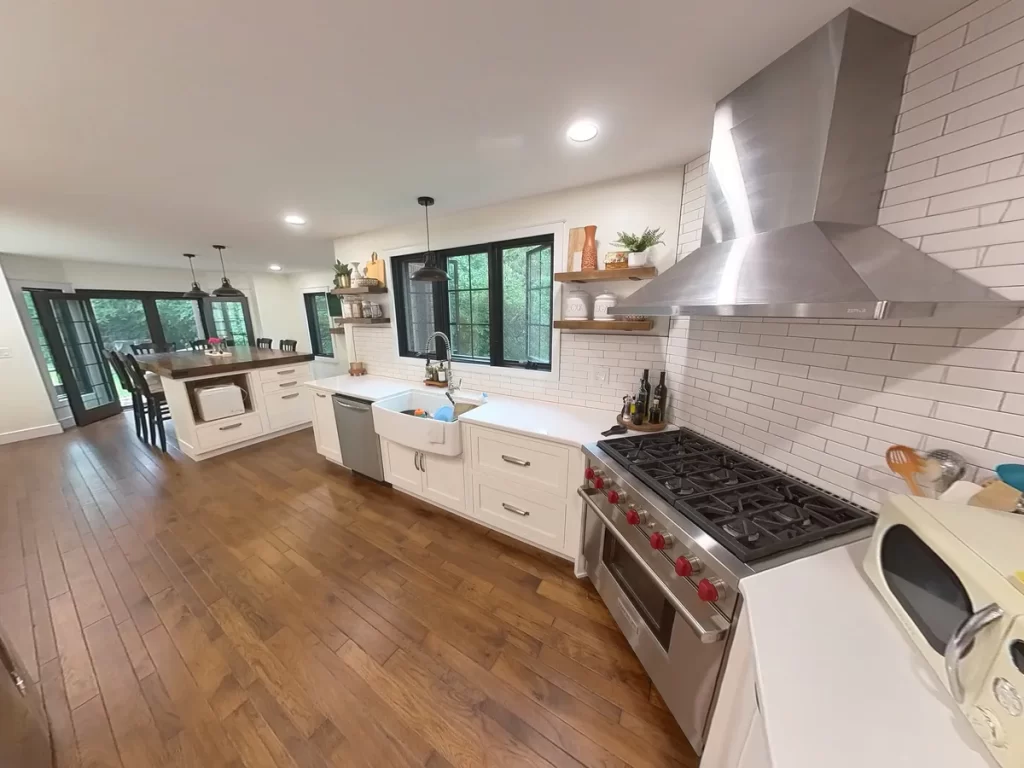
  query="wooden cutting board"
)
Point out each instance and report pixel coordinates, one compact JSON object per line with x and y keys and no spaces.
{"x":375,"y":268}
{"x":996,"y":495}
{"x":576,"y":239}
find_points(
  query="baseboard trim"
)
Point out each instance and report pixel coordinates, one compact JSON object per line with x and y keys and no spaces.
{"x":30,"y":434}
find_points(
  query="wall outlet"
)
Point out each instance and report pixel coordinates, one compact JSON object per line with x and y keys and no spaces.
{"x":5,"y":352}
{"x":601,"y":374}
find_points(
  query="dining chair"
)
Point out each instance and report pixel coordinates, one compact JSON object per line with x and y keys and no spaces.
{"x":288,"y":345}
{"x":199,"y":344}
{"x":229,"y":342}
{"x":265,"y":343}
{"x":144,"y":348}
{"x":157,"y":410}
{"x":138,"y":406}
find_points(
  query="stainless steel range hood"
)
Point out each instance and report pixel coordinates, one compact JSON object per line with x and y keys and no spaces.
{"x":798,"y":162}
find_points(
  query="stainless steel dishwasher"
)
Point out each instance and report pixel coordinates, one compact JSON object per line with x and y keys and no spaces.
{"x":360,"y":448}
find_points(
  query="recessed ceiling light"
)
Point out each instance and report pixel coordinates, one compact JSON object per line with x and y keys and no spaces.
{"x":275,"y":267}
{"x":294,"y":219}
{"x":582,"y":130}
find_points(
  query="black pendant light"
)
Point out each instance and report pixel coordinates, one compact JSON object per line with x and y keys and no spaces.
{"x":429,"y":272}
{"x":196,"y":292}
{"x":226,"y":288}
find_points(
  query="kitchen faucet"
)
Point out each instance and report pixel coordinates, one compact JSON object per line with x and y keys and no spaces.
{"x":452,"y":386}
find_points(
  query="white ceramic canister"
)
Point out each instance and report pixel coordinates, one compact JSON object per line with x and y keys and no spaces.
{"x":577,"y":306}
{"x":603,"y":305}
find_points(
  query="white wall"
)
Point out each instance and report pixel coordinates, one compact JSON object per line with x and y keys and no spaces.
{"x":593,"y":369}
{"x":25,"y":409}
{"x":824,"y":399}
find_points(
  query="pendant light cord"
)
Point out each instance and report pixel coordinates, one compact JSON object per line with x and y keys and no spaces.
{"x":426,"y":214}
{"x":191,"y":256}
{"x":220,"y":252}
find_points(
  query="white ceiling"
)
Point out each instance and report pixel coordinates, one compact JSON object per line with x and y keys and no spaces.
{"x":132,"y":131}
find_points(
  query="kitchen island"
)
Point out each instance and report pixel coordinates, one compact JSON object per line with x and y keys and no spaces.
{"x":274,"y":403}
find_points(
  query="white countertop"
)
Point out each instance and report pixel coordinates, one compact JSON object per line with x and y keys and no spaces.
{"x":567,"y":424}
{"x":837,"y":677}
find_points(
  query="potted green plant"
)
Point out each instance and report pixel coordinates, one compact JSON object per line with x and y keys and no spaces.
{"x":638,"y":245}
{"x":342,"y":275}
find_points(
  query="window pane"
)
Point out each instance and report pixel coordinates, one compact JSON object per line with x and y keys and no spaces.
{"x":320,"y":321}
{"x":229,"y":320}
{"x":418,"y":298}
{"x":37,"y":328}
{"x":478,"y":270}
{"x":122,"y":322}
{"x":468,"y":305}
{"x":180,"y":320}
{"x":526,"y":310}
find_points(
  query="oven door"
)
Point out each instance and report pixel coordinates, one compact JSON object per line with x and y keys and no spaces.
{"x":681,"y":646}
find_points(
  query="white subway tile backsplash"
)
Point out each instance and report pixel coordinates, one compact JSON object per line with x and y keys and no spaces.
{"x":935,"y":427}
{"x":970,"y":358}
{"x":854,"y":348}
{"x":986,"y":379}
{"x":1010,"y":445}
{"x":968,"y":54}
{"x":991,"y":339}
{"x":937,"y":185}
{"x":942,"y":392}
{"x":887,"y":400}
{"x":997,"y":421}
{"x":906,"y":335}
{"x":949,"y":143}
{"x":961,"y":18}
{"x":848,"y":378}
{"x":1013,"y":404}
{"x":893,"y":368}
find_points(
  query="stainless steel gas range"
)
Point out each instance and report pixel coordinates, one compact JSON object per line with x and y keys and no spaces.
{"x":674,"y":522}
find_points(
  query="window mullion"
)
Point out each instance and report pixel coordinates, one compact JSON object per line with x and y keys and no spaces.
{"x":495,"y":286}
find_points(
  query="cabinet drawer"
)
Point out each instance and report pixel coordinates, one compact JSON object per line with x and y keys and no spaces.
{"x":234,"y":429}
{"x":538,"y":465}
{"x":532,"y":519}
{"x":285,"y":383}
{"x":298,"y":372}
{"x":286,"y":408}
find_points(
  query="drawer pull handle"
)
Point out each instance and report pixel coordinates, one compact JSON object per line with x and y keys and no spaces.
{"x":292,"y":395}
{"x":289,"y":384}
{"x":320,"y":394}
{"x":514,"y":460}
{"x":515,"y":510}
{"x":236,"y":425}
{"x":283,"y":373}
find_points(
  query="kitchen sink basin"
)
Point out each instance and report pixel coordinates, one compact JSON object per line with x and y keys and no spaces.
{"x":421,"y":433}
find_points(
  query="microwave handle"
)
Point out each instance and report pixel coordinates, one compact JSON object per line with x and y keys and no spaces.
{"x":707,"y":633}
{"x":959,"y":642}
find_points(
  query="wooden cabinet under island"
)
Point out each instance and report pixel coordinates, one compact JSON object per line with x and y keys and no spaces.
{"x":274,"y":402}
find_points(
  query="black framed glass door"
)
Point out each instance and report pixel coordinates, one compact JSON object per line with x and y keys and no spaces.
{"x":73,"y":336}
{"x":229,"y":319}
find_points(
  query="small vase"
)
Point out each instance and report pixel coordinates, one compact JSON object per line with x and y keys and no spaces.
{"x":589,"y":260}
{"x":637,"y":259}
{"x":342,"y":281}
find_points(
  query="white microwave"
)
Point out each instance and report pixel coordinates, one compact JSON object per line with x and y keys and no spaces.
{"x":953,"y":575}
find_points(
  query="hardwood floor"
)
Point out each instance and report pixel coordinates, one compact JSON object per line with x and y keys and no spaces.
{"x":267,"y":609}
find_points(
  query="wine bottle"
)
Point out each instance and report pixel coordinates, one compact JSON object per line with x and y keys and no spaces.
{"x":643,"y":398}
{"x":658,"y":401}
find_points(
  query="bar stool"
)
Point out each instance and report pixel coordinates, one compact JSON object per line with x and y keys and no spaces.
{"x":289,"y":345}
{"x":265,"y":343}
{"x":138,"y":406}
{"x":157,"y":410}
{"x":199,"y":344}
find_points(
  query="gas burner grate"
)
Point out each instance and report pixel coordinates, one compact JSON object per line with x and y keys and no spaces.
{"x":753,"y":510}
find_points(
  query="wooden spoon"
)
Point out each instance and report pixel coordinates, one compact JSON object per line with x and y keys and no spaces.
{"x":906,"y":463}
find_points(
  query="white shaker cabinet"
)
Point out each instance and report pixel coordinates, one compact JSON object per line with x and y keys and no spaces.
{"x":440,"y":480}
{"x":737,"y":737}
{"x":325,"y":430}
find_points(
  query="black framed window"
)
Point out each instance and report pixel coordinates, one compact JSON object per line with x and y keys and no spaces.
{"x":495,"y":307}
{"x":318,"y":318}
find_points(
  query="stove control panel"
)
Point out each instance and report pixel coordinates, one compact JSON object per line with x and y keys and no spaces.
{"x":636,"y":516}
{"x":687,"y":566}
{"x":710,"y":590}
{"x":661,"y":540}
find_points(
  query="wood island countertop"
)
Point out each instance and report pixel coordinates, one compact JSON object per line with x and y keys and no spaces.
{"x":184,"y":365}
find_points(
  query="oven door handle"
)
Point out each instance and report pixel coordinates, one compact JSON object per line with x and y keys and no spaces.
{"x":961,"y":639}
{"x":708,"y":633}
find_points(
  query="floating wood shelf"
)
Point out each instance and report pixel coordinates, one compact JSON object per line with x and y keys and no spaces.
{"x":361,"y":321}
{"x":604,"y":325}
{"x":604,"y":275}
{"x":360,"y":291}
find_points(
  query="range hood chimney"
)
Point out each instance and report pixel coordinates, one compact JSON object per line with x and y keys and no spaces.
{"x":798,"y":162}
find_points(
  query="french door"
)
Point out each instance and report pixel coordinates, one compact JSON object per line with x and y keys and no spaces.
{"x":73,"y":336}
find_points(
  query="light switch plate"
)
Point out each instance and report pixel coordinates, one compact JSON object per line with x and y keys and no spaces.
{"x":601,"y":374}
{"x":5,"y":352}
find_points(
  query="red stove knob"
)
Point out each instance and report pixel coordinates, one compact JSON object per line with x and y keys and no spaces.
{"x":598,"y":481}
{"x":684,"y":567}
{"x":632,"y":516}
{"x":589,"y":473}
{"x":614,"y":497}
{"x":660,"y":540}
{"x":708,"y":590}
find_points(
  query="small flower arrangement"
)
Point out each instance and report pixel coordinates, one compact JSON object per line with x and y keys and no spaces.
{"x":217,"y":345}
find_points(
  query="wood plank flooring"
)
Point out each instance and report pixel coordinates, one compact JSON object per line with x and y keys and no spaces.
{"x":265,"y":608}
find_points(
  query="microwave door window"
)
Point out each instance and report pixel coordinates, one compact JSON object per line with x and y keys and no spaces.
{"x":928,"y":590}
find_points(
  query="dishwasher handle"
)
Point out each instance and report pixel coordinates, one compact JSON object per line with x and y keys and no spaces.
{"x":350,"y":406}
